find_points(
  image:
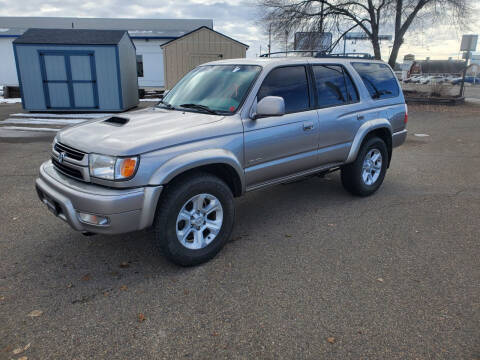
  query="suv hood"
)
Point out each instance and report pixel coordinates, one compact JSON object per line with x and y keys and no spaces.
{"x":144,"y":131}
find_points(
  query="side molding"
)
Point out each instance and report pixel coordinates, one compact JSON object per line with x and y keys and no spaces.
{"x":366,"y":127}
{"x":185,"y":162}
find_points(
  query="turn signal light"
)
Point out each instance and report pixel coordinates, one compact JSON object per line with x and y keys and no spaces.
{"x":128,"y":167}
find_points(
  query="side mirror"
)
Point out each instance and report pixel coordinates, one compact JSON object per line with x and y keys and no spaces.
{"x":270,"y":106}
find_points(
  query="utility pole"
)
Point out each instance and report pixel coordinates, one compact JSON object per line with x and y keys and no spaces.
{"x":286,"y":42}
{"x":269,"y":40}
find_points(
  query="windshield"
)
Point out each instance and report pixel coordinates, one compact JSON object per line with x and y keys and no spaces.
{"x":215,"y":88}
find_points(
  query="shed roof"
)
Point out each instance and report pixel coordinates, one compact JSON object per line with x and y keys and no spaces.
{"x":71,"y":37}
{"x":203,"y":27}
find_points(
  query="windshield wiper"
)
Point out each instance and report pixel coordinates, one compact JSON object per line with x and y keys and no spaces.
{"x":165,"y":105}
{"x":200,"y":107}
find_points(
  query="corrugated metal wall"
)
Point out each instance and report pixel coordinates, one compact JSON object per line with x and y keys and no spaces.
{"x":199,"y":47}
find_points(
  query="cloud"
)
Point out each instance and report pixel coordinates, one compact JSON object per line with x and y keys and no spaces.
{"x":237,"y":19}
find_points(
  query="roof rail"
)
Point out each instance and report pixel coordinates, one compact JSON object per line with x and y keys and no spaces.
{"x":346,"y":56}
{"x":290,"y":52}
{"x":321,"y":54}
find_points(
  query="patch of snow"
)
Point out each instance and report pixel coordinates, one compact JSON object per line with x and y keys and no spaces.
{"x":60,"y":116}
{"x":43,"y":121}
{"x":9,"y":101}
{"x":421,"y":135}
{"x":21,"y":128}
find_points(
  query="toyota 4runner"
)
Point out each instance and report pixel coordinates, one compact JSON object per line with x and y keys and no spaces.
{"x":226,"y":128}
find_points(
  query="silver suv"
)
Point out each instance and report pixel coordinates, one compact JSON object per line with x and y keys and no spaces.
{"x":226,"y":128}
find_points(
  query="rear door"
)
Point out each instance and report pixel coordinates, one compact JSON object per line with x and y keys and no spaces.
{"x":278,"y":146}
{"x":69,"y":80}
{"x":339,"y":111}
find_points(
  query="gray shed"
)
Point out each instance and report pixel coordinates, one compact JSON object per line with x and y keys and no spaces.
{"x":76,"y":70}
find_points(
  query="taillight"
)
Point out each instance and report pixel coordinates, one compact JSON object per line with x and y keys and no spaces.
{"x":406,"y":115}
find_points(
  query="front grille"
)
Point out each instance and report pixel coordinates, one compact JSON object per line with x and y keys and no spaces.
{"x":77,"y":174}
{"x":71,"y":153}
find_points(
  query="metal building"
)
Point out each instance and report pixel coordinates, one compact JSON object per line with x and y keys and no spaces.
{"x":197,"y":47}
{"x":76,"y":70}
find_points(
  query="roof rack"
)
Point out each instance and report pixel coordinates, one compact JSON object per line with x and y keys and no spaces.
{"x":321,"y":54}
{"x":346,"y":56}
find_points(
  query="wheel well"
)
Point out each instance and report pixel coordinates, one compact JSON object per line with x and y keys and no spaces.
{"x":223,"y":171}
{"x":385,"y":135}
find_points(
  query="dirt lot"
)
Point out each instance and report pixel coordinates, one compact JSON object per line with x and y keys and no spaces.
{"x":311,"y":272}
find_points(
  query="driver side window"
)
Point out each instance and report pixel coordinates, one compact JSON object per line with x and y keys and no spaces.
{"x":291,"y":84}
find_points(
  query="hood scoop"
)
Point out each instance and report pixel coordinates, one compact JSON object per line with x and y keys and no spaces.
{"x":117,"y":121}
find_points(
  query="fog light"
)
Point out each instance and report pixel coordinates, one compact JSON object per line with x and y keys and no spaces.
{"x":93,"y":219}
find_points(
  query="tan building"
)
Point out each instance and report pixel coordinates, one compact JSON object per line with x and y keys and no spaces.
{"x":197,"y":47}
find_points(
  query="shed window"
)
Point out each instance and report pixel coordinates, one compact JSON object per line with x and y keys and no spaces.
{"x":140,"y":65}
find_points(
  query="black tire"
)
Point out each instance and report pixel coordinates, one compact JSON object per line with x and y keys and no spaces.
{"x":171,"y":202}
{"x":352,"y":173}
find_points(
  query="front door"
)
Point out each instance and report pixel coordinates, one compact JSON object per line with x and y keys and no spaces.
{"x":278,"y":146}
{"x":69,"y":80}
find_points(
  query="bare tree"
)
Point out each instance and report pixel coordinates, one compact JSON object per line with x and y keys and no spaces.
{"x":368,"y":15}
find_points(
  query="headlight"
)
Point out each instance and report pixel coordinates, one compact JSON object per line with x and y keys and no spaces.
{"x":112,"y":168}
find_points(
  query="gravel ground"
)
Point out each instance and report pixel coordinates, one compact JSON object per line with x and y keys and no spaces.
{"x":311,"y":272}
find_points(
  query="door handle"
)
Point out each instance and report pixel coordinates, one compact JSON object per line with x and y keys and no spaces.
{"x":307,"y":126}
{"x":360,"y":117}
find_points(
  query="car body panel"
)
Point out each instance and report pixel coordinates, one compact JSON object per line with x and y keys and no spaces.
{"x":277,"y":146}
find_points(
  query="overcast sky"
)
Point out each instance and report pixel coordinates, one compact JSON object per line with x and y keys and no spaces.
{"x":234,"y":18}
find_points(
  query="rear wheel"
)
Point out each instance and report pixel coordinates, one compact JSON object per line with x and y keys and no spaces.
{"x":194,"y":219}
{"x":365,"y":175}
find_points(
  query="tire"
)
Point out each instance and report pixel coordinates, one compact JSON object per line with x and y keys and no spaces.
{"x":353,"y":174}
{"x":184,"y":195}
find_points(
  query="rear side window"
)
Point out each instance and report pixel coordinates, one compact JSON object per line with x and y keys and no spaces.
{"x":378,"y":78}
{"x":334,"y":86}
{"x":291,"y":84}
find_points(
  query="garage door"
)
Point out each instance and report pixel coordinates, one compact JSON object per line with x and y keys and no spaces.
{"x":69,"y":80}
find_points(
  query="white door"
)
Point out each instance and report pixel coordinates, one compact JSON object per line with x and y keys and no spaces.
{"x":152,"y":57}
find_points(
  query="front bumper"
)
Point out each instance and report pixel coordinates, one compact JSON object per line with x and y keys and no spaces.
{"x":126,"y":209}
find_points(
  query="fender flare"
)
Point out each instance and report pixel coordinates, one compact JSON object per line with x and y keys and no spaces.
{"x":179,"y":164}
{"x":362,"y":132}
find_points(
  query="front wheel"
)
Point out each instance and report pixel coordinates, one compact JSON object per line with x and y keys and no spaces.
{"x":194,"y":219}
{"x":365,"y":175}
